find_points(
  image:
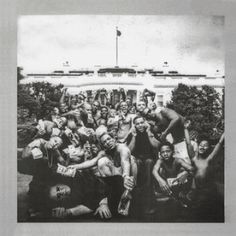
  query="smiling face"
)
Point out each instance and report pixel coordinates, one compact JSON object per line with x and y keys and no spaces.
{"x":124,"y":107}
{"x":140,"y":124}
{"x":59,"y":192}
{"x":204,"y":147}
{"x":108,"y":142}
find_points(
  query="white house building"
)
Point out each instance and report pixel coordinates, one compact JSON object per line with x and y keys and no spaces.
{"x":132,"y":80}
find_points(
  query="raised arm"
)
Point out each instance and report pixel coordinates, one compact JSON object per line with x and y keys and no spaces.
{"x":190,"y":148}
{"x":217,"y":148}
{"x":122,"y":93}
{"x":96,"y":97}
{"x":149,"y":93}
{"x":62,"y":99}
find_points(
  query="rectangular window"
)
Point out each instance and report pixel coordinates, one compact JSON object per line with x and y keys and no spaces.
{"x":160,"y":101}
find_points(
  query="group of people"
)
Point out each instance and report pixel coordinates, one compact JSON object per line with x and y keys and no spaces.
{"x":86,"y":157}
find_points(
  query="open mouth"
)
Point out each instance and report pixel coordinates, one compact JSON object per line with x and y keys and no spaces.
{"x":110,"y":145}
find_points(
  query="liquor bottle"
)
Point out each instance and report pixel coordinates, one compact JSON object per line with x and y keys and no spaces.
{"x":123,"y":207}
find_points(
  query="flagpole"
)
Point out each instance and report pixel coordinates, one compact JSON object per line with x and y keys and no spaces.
{"x":116,"y":47}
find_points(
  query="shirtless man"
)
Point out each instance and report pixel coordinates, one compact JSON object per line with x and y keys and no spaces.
{"x":167,"y":121}
{"x":124,"y":123}
{"x":114,"y":160}
{"x":40,"y":156}
{"x":170,"y":173}
{"x":63,"y":106}
{"x":103,"y":115}
{"x":96,"y":113}
{"x":117,"y":167}
{"x":112,"y":123}
{"x":166,"y":125}
{"x":45,"y":127}
{"x":201,"y":161}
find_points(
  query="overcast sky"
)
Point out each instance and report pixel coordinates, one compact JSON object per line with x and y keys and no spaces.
{"x":190,"y":44}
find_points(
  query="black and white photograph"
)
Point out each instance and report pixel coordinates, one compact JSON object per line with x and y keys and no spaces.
{"x":120,"y":118}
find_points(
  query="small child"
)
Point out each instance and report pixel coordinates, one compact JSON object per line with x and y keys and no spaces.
{"x":172,"y":174}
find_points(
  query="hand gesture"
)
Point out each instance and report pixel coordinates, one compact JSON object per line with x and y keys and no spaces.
{"x":89,"y":132}
{"x":129,"y":182}
{"x":41,"y":131}
{"x":148,"y":126}
{"x":68,"y":131}
{"x":181,"y":178}
{"x":187,"y":124}
{"x":165,"y":187}
{"x":103,"y":211}
{"x":133,"y":131}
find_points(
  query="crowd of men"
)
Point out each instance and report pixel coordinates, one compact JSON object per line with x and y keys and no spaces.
{"x":85,"y":155}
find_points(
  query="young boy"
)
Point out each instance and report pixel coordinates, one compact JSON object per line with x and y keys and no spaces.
{"x":203,"y":186}
{"x":171,"y":173}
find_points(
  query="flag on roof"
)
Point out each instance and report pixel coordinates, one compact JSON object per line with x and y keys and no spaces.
{"x":118,"y":33}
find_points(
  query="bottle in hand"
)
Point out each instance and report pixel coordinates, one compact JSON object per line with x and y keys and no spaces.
{"x":123,"y":207}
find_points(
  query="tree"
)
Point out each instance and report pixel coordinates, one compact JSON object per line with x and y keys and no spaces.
{"x":202,"y":106}
{"x":39,"y":97}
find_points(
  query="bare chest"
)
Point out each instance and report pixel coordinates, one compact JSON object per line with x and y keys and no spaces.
{"x":201,"y":167}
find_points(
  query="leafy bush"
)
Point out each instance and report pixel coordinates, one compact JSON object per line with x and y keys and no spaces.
{"x":202,"y":106}
{"x":39,"y":105}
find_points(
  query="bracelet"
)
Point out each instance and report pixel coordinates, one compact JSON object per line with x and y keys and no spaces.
{"x":103,"y":203}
